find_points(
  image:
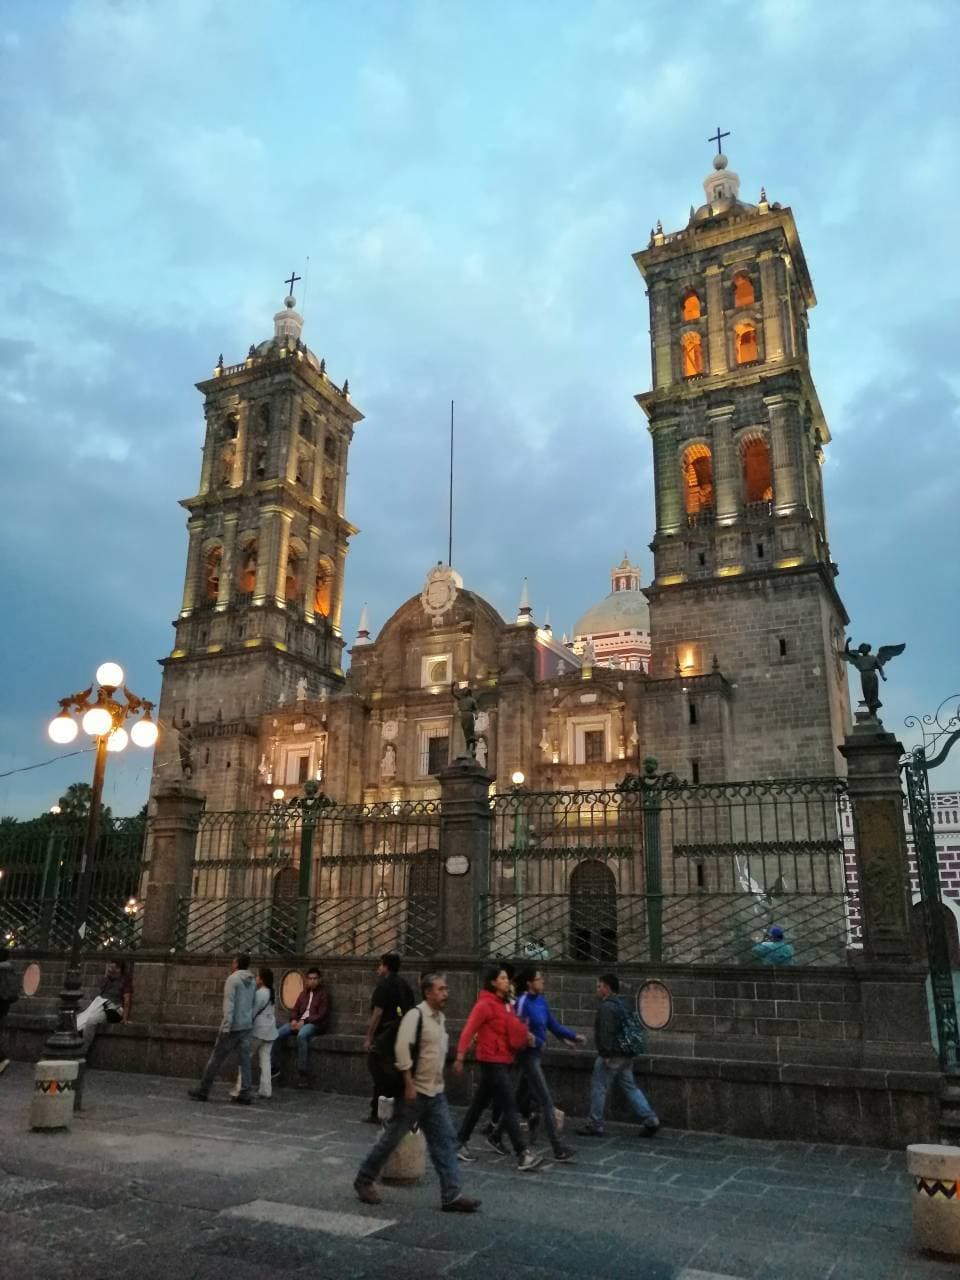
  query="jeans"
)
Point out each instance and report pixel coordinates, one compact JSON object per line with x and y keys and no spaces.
{"x":261,"y":1050}
{"x":496,"y":1086}
{"x":90,"y":1020}
{"x":618,"y":1071}
{"x":304,"y":1036}
{"x":533,"y":1085}
{"x":433,"y":1117}
{"x":228,"y":1042}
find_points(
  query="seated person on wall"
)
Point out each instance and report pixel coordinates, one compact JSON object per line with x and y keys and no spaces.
{"x":111,"y":1005}
{"x":772,"y":948}
{"x":308,"y":1018}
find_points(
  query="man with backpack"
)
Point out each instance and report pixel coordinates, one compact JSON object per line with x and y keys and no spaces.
{"x":421,"y":1056}
{"x":9,"y":994}
{"x":618,"y":1037}
{"x":392,"y":998}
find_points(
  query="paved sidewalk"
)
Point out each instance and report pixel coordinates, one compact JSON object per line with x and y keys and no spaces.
{"x":148,"y":1184}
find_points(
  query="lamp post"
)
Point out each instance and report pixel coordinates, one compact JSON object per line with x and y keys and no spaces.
{"x":517,"y":779}
{"x":102,"y":716}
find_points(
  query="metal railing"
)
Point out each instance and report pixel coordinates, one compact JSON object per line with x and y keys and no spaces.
{"x":40,"y":876}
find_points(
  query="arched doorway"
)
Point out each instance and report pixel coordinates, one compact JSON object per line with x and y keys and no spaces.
{"x":593,"y":913}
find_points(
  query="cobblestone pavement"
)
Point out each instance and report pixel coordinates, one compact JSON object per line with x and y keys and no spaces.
{"x":148,"y":1184}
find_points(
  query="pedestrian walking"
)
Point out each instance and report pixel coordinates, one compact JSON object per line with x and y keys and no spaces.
{"x":500,"y":1035}
{"x":9,"y":995}
{"x":308,"y":1018}
{"x":262,"y":1034}
{"x":614,"y":1067}
{"x":112,"y":1004}
{"x":420,"y":1057}
{"x":533,"y":1010}
{"x":392,"y":998}
{"x":234,"y":1034}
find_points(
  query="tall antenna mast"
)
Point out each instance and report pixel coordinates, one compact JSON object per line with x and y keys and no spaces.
{"x":450,"y":523}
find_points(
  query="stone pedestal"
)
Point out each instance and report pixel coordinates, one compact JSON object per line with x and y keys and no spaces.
{"x":936,"y":1198}
{"x":873,"y":784}
{"x":466,"y":822}
{"x":172,"y":844}
{"x":54,"y":1086}
{"x":408,"y":1163}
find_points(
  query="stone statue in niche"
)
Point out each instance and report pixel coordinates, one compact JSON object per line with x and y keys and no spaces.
{"x":388,"y":762}
{"x":544,"y":744}
{"x":482,"y":752}
{"x":870,"y":665}
{"x":263,"y":769}
{"x":589,"y":654}
{"x":302,"y":689}
{"x":227,"y":456}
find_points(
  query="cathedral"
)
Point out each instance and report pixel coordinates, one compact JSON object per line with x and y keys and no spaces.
{"x":725,"y":667}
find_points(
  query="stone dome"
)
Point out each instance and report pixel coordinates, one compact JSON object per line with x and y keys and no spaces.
{"x":620,"y":611}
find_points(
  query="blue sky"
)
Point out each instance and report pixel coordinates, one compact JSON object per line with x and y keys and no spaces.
{"x":468,"y":182}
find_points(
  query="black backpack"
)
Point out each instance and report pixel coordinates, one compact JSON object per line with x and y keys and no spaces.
{"x":393,"y":1080}
{"x":385,"y":1040}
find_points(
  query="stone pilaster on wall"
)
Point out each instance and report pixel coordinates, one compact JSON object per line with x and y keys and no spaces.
{"x":873,"y":781}
{"x":172,"y":843}
{"x":466,"y":824}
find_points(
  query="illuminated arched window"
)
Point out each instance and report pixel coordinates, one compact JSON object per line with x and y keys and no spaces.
{"x":744,"y":294}
{"x":691,"y":350}
{"x":690,"y":308}
{"x":211,"y":572}
{"x":757,"y":471}
{"x":698,"y":479}
{"x":745,"y":340}
{"x":323,"y":588}
{"x":247,"y":566}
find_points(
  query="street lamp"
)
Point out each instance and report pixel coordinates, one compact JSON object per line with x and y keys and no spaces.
{"x":102,"y":715}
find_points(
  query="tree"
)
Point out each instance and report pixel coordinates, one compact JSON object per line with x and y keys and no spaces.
{"x":76,"y":800}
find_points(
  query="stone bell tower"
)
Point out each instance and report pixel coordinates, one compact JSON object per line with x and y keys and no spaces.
{"x":259,"y":624}
{"x":744,"y":581}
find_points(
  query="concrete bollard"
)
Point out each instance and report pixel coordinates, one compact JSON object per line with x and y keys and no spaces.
{"x":54,"y":1092}
{"x":936,"y":1197}
{"x":408,"y":1162}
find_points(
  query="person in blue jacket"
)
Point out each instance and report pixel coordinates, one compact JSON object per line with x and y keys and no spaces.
{"x":532,"y":1008}
{"x":773,"y":949}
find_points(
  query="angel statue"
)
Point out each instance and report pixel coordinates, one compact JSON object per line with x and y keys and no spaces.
{"x":870,"y":665}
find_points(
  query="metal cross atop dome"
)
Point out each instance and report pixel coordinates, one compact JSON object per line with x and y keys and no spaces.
{"x":717,"y":138}
{"x":292,"y":281}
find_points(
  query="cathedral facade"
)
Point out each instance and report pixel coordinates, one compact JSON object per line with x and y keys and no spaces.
{"x":726,"y":667}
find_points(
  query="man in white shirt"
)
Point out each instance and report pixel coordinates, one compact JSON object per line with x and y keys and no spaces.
{"x":421,"y":1056}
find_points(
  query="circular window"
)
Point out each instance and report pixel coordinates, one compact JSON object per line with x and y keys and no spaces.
{"x":30,"y":983}
{"x":654,"y":1005}
{"x":291,"y":985}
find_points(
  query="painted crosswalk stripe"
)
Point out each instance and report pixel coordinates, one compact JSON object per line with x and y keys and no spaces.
{"x":301,"y":1217}
{"x":688,"y":1274}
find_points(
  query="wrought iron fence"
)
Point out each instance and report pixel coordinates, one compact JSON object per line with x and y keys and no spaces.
{"x":661,"y":871}
{"x":315,"y":878}
{"x":40,"y":880}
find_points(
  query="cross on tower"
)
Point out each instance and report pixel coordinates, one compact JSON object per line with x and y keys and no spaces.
{"x":717,"y":138}
{"x":292,"y":281}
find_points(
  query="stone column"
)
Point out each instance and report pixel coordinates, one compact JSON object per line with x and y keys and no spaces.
{"x":716,"y":329}
{"x":173,"y":838}
{"x":336,"y":594}
{"x":783,"y":454}
{"x":883,"y":869}
{"x":313,"y":557}
{"x":662,"y":334}
{"x":726,"y":472}
{"x":192,"y":576}
{"x":209,"y":447}
{"x":283,"y":548}
{"x":772,"y":332}
{"x":293,"y":441}
{"x":666,"y":472}
{"x":227,"y":567}
{"x":466,"y":822}
{"x":238,"y":479}
{"x":266,"y":563}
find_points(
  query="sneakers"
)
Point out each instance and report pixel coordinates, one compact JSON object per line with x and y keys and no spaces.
{"x":367,"y":1192}
{"x":369,"y":1119}
{"x":532,"y":1126}
{"x":528,"y":1161}
{"x":4,"y":1063}
{"x":242,"y":1100}
{"x":275,"y":1073}
{"x":496,"y":1144}
{"x":466,"y":1155}
{"x":563,"y":1155}
{"x":462,"y":1204}
{"x":588,"y":1131}
{"x":649,"y":1130}
{"x":197,"y":1095}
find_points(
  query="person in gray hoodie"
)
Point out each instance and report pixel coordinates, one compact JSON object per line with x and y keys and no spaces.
{"x":239,"y":991}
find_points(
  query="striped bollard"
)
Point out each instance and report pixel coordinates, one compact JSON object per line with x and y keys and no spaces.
{"x":54,"y":1091}
{"x":936,"y":1197}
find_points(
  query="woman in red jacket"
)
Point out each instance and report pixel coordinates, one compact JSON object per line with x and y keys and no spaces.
{"x":500,"y":1035}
